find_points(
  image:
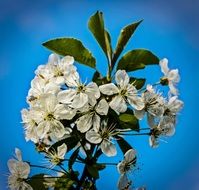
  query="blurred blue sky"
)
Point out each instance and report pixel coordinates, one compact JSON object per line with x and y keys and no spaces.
{"x":170,"y":29}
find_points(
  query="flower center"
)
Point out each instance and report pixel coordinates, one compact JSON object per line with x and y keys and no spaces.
{"x":20,"y":180}
{"x":58,"y":73}
{"x":164,"y":81}
{"x":123,"y":92}
{"x":167,"y":112}
{"x":49,"y":117}
{"x":80,"y":88}
{"x":55,"y":160}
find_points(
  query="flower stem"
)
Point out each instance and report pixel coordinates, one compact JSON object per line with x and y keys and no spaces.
{"x":43,"y":167}
{"x":139,"y":134}
{"x":62,"y":168}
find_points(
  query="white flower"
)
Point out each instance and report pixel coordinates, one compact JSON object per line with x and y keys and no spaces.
{"x":78,"y":95}
{"x":56,"y":157}
{"x":91,"y":116}
{"x":30,"y":125}
{"x":166,"y":124}
{"x":57,"y":70}
{"x":171,"y":77}
{"x":39,"y":88}
{"x":154,"y":104}
{"x":129,"y":161}
{"x":171,"y":109}
{"x":19,"y":173}
{"x":124,"y":92}
{"x":51,"y":112}
{"x":104,"y":137}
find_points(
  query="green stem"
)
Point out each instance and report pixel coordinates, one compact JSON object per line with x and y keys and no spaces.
{"x":43,"y":167}
{"x":139,"y":134}
{"x":62,"y":168}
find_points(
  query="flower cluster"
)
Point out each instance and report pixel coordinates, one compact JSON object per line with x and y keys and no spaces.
{"x":88,"y":118}
{"x":57,"y":95}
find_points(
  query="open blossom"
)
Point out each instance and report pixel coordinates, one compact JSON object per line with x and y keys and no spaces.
{"x":166,"y":123}
{"x":124,"y":167}
{"x":57,"y":70}
{"x":91,"y":116}
{"x":171,"y":77}
{"x":49,"y":113}
{"x":171,"y":109}
{"x":78,"y":94}
{"x":123,"y":93}
{"x":104,"y":138}
{"x":154,"y":104}
{"x":129,"y":161}
{"x":40,"y":87}
{"x":56,"y":157}
{"x":19,"y":173}
{"x":29,"y":118}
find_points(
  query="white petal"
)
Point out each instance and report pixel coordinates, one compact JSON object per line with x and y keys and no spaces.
{"x":109,"y":89}
{"x":50,"y":103}
{"x":23,"y":169}
{"x":164,"y":66}
{"x":79,"y":100}
{"x":53,"y":58}
{"x":73,"y":79}
{"x":153,"y":141}
{"x":57,"y":129}
{"x":122,"y":78}
{"x":118,"y":104}
{"x":151,"y":120}
{"x":108,"y":148}
{"x":173,"y":89}
{"x":43,"y":129}
{"x":66,"y":96}
{"x":64,"y":112}
{"x":139,"y":114}
{"x":51,"y":88}
{"x":175,"y":105}
{"x":121,"y":167}
{"x":123,"y":182}
{"x":12,"y":165}
{"x":18,"y":154}
{"x":92,"y":90}
{"x":129,"y":155}
{"x":84,"y":123}
{"x":102,"y":107}
{"x":61,"y":150}
{"x":174,"y":76}
{"x":69,"y":60}
{"x":96,"y":122}
{"x":136,"y":102}
{"x":93,"y":137}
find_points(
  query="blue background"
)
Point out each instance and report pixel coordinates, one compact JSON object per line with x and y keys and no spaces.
{"x":170,"y":29}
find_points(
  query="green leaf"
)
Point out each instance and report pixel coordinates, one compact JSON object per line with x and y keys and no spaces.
{"x":137,"y":59}
{"x":98,"y":79}
{"x":123,"y":144}
{"x":124,"y":37}
{"x":72,"y":47}
{"x":96,"y":26}
{"x":64,"y":183}
{"x":93,"y":171}
{"x":138,"y":82}
{"x":128,"y":120}
{"x":36,"y":182}
{"x":73,"y":158}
